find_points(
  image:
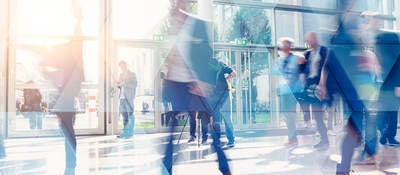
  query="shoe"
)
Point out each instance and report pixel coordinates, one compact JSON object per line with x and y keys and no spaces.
{"x":291,"y":143}
{"x":383,"y":140}
{"x":366,"y":161}
{"x":125,"y":136}
{"x":230,"y":144}
{"x":393,"y":142}
{"x":204,"y":142}
{"x":321,"y":145}
{"x":192,"y":139}
{"x":342,"y":171}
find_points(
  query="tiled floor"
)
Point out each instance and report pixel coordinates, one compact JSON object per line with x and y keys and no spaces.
{"x":256,"y":153}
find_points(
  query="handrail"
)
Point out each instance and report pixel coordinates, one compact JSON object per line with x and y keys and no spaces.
{"x":140,"y":43}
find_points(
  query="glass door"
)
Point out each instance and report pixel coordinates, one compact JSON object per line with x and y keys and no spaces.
{"x":250,"y":101}
{"x":43,"y":30}
{"x":144,"y":60}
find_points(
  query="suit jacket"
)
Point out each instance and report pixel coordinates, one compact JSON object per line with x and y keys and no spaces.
{"x":306,"y":68}
{"x":129,"y":86}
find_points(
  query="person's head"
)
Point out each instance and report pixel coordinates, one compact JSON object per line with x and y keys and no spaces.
{"x":312,"y":39}
{"x":122,"y":64}
{"x":372,"y":20}
{"x":285,"y":44}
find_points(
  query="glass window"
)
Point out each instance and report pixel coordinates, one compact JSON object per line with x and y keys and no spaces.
{"x":296,"y":24}
{"x":138,"y":19}
{"x":47,"y":30}
{"x":234,"y":23}
{"x":329,"y":4}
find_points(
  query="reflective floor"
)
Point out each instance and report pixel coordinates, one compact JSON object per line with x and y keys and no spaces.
{"x":256,"y":153}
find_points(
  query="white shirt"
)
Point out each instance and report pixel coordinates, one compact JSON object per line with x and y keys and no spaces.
{"x":178,"y":57}
{"x":315,"y":59}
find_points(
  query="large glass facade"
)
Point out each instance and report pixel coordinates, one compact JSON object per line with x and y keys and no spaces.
{"x":245,"y":36}
{"x":37,"y":31}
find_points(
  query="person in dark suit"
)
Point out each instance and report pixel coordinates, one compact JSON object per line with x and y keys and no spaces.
{"x":311,"y":69}
{"x":127,"y":84}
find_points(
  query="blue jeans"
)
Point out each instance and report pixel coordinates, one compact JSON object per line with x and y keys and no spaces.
{"x":230,"y":132}
{"x":35,"y":119}
{"x":126,"y":111}
{"x":288,"y":109}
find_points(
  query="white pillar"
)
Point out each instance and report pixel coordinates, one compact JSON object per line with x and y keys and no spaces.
{"x":205,"y":9}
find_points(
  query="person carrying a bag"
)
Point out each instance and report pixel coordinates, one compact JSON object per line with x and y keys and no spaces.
{"x":312,"y":66}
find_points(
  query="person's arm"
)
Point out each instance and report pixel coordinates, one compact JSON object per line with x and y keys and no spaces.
{"x":228,"y":70}
{"x":322,"y":90}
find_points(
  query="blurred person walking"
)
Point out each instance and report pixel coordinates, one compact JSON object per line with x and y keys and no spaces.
{"x":290,"y":85}
{"x":311,"y":68}
{"x":188,"y":83}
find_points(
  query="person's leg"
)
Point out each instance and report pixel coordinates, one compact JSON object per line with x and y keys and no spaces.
{"x":288,"y":108}
{"x":31,"y":117}
{"x":227,"y":120}
{"x":223,"y":165}
{"x":370,"y":134}
{"x":130,"y":126}
{"x":382,"y":126}
{"x":331,"y":116}
{"x":67,"y":127}
{"x":205,"y":120}
{"x":391,"y":130}
{"x":192,"y":126}
{"x":35,"y":116}
{"x":169,"y":149}
{"x":305,"y":107}
{"x":318,"y":112}
{"x":351,"y":140}
{"x":123,"y":110}
{"x":40,"y":116}
{"x":230,"y":132}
